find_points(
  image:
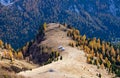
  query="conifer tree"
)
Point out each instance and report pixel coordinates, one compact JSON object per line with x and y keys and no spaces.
{"x":91,"y":44}
{"x":20,"y":55}
{"x":97,"y":62}
{"x":102,"y":66}
{"x":113,"y":53}
{"x":118,"y":58}
{"x":44,"y":26}
{"x":106,"y":59}
{"x":84,"y":37}
{"x":103,"y":48}
{"x":15,"y":55}
{"x":98,"y":44}
{"x":1,"y":43}
{"x":88,"y":59}
{"x":108,"y":64}
{"x":77,"y":32}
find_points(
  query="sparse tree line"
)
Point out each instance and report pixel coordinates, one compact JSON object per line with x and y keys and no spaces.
{"x":7,"y":52}
{"x":40,"y":54}
{"x":98,"y":52}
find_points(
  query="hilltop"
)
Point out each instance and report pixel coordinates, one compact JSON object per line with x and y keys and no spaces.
{"x":73,"y":63}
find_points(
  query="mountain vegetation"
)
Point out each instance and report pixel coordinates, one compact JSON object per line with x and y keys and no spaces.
{"x":98,"y":52}
{"x":73,"y":60}
{"x":9,"y":53}
{"x":20,"y":20}
{"x":8,"y":61}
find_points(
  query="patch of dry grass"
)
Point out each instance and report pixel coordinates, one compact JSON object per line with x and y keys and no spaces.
{"x":6,"y":74}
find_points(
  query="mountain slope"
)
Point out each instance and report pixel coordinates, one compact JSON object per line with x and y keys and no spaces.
{"x":73,"y":63}
{"x":95,"y":18}
{"x":9,"y":65}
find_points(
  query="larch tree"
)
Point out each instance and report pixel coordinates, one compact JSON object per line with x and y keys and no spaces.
{"x":88,"y":60}
{"x":113,"y":53}
{"x":103,"y":48}
{"x":97,"y":62}
{"x":91,"y":44}
{"x":108,"y":64}
{"x":77,"y":32}
{"x":11,"y":55}
{"x":1,"y":43}
{"x":106,"y":59}
{"x":101,"y":56}
{"x":44,"y":26}
{"x":98,"y":40}
{"x":20,"y":55}
{"x":84,"y":37}
{"x":118,"y":58}
{"x":98,"y":44}
{"x":15,"y":55}
{"x":113,"y":59}
{"x":87,"y":49}
{"x":97,"y":54}
{"x":102,"y":66}
{"x":69,"y":33}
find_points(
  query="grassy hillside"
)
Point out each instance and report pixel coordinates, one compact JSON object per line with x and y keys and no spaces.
{"x":5,"y":74}
{"x":98,"y":52}
{"x":74,"y":61}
